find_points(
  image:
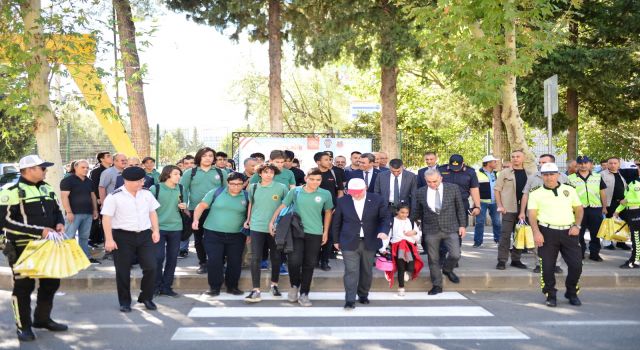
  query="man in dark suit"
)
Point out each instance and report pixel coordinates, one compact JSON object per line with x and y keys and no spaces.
{"x":360,"y":223}
{"x":397,"y":186}
{"x":367,"y":171}
{"x":441,"y":211}
{"x":431,"y":160}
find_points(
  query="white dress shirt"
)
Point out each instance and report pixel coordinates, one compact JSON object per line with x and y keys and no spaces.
{"x":392,"y":179}
{"x":129,"y":212}
{"x":359,"y":205}
{"x":431,"y":197}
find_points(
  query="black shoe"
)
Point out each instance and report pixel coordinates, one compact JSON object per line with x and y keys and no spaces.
{"x":349,"y":305}
{"x":610,"y":247}
{"x":183,"y":254}
{"x":451,"y":276}
{"x":148,"y":304}
{"x":629,"y":265}
{"x":435,"y":290}
{"x":551,"y":301}
{"x":364,"y":300}
{"x":501,"y":265}
{"x":212,"y":292}
{"x":202,"y":269}
{"x":519,"y":265}
{"x":622,"y":246}
{"x":94,"y":261}
{"x":558,"y":269}
{"x":234,"y":291}
{"x":595,"y":257}
{"x":324,"y":266}
{"x":125,"y":308}
{"x":26,"y":334}
{"x":573,"y":300}
{"x":51,"y":325}
{"x":536,"y":269}
{"x":169,"y":293}
{"x":477,"y":245}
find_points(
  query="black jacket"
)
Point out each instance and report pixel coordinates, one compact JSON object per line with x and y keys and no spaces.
{"x":289,"y":226}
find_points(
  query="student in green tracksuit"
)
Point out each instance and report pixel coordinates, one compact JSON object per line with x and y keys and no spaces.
{"x":631,"y":205}
{"x":223,"y":238}
{"x":197,"y":182}
{"x":311,"y":202}
{"x":286,"y":176}
{"x":169,"y":194}
{"x":264,"y":199}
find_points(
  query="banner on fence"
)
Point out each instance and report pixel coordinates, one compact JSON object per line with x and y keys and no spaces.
{"x":303,"y":147}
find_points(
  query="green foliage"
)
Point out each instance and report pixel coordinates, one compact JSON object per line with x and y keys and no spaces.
{"x":86,"y":136}
{"x":466,"y":41}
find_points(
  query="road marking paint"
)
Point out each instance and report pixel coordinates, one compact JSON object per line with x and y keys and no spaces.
{"x":345,"y":333}
{"x":340,"y":296}
{"x":95,"y":327}
{"x":591,"y":323}
{"x":411,"y":311}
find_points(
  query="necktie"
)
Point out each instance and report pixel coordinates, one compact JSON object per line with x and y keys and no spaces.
{"x":366,"y":178}
{"x":396,"y":191}
{"x":438,"y":205}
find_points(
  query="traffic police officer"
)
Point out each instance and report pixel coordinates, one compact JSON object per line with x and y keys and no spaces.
{"x":631,"y":204}
{"x":29,"y":210}
{"x":131,"y":229}
{"x":555,"y":214}
{"x":591,"y":190}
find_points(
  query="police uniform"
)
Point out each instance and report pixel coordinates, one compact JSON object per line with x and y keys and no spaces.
{"x":26,"y":209}
{"x":555,"y":217}
{"x":632,"y":217}
{"x":588,"y":190}
{"x":131,"y":231}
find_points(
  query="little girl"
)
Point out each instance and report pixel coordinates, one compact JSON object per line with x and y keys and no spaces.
{"x":404,"y":236}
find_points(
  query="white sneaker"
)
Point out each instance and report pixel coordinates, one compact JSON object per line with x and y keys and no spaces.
{"x":407,"y":277}
{"x":293,"y":294}
{"x":303,"y":300}
{"x":400,"y":292}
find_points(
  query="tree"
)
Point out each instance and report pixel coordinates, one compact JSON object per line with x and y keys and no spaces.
{"x":133,"y":77}
{"x":263,"y":20}
{"x":371,"y":33}
{"x":598,"y":67}
{"x":484,"y":46}
{"x":16,"y":136}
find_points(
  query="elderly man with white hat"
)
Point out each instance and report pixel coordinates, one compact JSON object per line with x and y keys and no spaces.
{"x":487,"y":177}
{"x":360,"y":223}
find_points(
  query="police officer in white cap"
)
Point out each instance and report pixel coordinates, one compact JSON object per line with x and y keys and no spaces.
{"x":131,"y":229}
{"x":555,"y":215}
{"x":29,"y":210}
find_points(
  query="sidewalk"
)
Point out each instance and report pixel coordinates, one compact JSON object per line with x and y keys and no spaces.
{"x":477,"y":272}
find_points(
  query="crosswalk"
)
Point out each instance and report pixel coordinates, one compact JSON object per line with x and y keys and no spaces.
{"x":273,"y":310}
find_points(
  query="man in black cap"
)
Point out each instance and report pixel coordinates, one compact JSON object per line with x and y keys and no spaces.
{"x":131,"y":229}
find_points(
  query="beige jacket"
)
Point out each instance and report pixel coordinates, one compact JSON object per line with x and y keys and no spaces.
{"x":506,"y":185}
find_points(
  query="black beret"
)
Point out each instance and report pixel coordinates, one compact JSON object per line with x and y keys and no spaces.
{"x":133,"y":173}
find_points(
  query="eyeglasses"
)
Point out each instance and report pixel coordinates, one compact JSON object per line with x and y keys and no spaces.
{"x":236,"y":183}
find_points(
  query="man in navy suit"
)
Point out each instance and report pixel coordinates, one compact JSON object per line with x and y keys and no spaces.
{"x":431,"y":159}
{"x":367,"y":171}
{"x":360,"y":223}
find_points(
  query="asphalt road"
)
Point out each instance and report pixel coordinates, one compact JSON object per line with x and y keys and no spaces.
{"x":483,"y":320}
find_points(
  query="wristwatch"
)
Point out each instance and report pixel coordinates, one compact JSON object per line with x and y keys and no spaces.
{"x":578,"y":226}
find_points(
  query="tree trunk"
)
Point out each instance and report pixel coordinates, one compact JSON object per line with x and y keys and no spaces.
{"x":275,"y":58}
{"x":133,"y":81}
{"x":389,"y":116}
{"x":46,"y":130}
{"x":510,"y":113}
{"x":499,"y":151}
{"x":572,"y":106}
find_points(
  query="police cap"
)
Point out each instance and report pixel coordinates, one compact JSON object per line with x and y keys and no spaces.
{"x":133,"y":173}
{"x":455,"y":162}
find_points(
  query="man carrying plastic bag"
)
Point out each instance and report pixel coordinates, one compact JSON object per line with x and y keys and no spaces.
{"x":29,"y":211}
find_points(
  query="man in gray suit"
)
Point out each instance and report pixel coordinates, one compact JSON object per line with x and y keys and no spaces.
{"x":397,"y":186}
{"x":441,"y":211}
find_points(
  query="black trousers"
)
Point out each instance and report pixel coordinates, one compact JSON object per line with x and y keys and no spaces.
{"x":591,"y":220}
{"x":21,"y":298}
{"x":132,"y":244}
{"x":559,"y":241}
{"x":197,"y":238}
{"x":402,"y":266}
{"x":260,"y":240}
{"x":303,"y":260}
{"x":326,"y":250}
{"x":632,"y":218}
{"x":224,"y":248}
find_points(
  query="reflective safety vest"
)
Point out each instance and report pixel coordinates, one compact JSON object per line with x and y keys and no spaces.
{"x":484,"y":183}
{"x":632,"y":196}
{"x":588,"y":191}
